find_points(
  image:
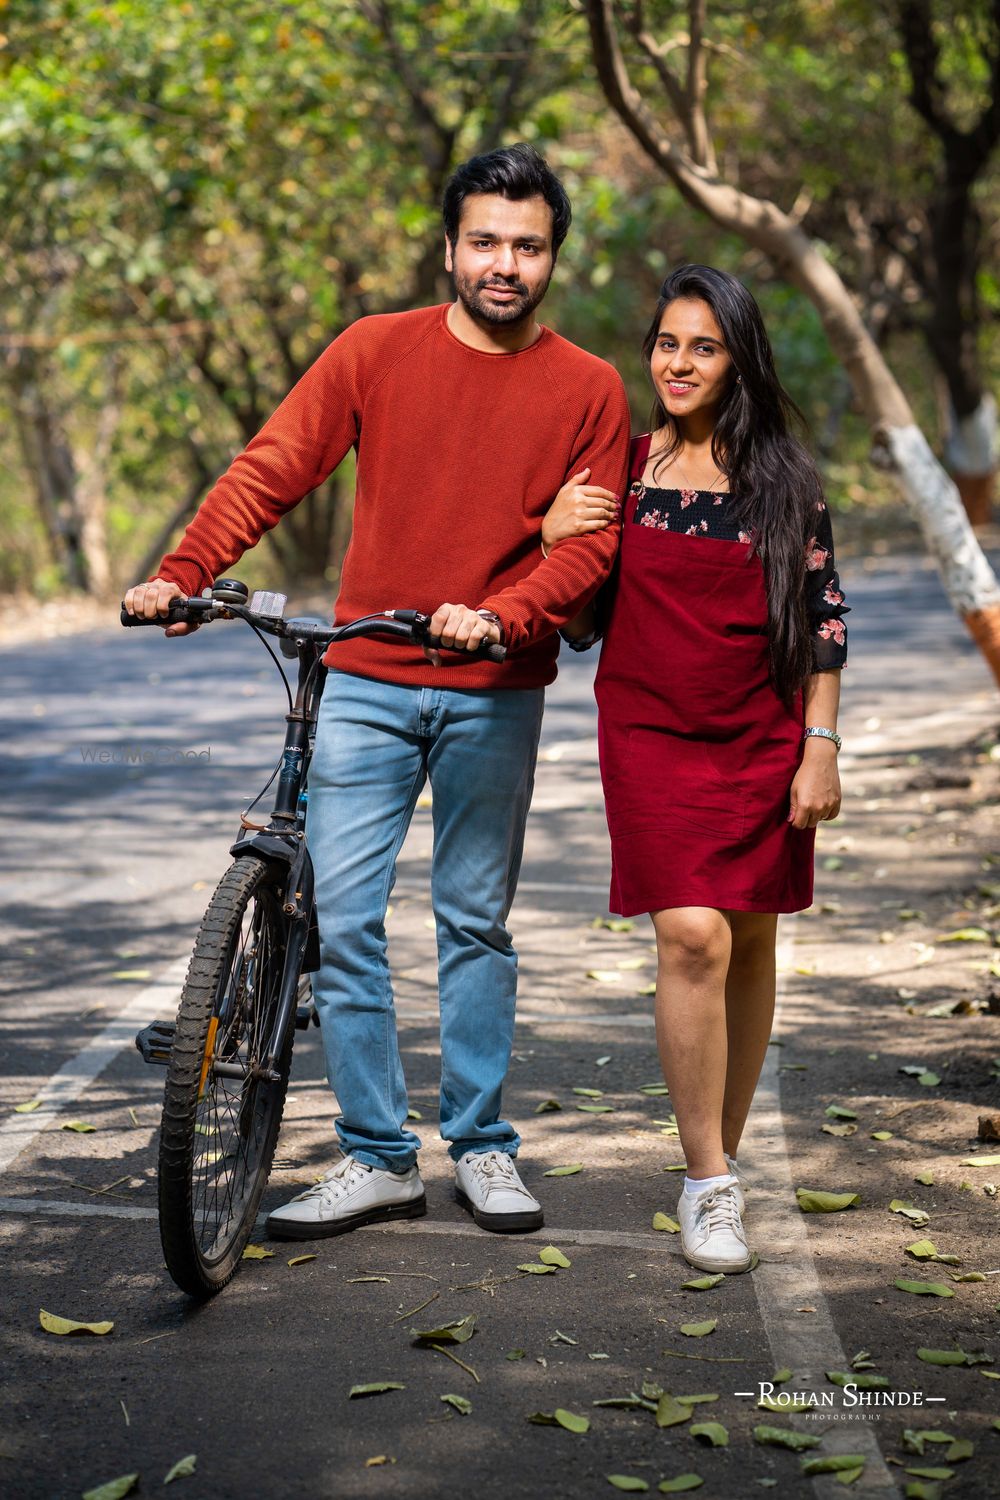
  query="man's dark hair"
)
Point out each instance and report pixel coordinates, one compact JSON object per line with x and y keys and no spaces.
{"x":511,"y":172}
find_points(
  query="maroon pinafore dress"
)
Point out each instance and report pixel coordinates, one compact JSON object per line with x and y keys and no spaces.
{"x":697,"y":750}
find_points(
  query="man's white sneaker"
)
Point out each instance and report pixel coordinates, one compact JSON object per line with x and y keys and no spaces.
{"x":487,"y":1184}
{"x":347,"y":1196}
{"x":712,"y":1236}
{"x":742,"y":1188}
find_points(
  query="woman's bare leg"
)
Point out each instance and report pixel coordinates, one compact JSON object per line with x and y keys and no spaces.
{"x":693,"y":955}
{"x":750,"y":987}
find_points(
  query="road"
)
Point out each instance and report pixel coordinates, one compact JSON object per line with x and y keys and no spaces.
{"x":126,"y":761}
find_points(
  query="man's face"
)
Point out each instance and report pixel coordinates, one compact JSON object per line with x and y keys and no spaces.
{"x":502,"y":260}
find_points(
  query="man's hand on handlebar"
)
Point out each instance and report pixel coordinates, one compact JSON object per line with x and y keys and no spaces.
{"x":459,"y":629}
{"x":148,"y":600}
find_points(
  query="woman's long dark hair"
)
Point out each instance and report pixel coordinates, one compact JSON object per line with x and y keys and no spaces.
{"x":771,"y":475}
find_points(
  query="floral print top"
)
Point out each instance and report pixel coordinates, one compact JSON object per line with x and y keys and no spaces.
{"x":709,"y":513}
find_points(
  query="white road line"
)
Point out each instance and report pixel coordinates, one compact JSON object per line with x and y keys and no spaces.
{"x":651,"y":1243}
{"x":157,"y":1001}
{"x":807,"y":1342}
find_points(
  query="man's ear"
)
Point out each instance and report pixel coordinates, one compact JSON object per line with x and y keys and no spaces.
{"x":449,"y":263}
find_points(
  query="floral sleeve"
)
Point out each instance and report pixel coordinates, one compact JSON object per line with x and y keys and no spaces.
{"x":825,"y":605}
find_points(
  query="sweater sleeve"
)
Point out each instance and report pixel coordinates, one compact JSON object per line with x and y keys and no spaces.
{"x":296,"y":449}
{"x":562,"y":583}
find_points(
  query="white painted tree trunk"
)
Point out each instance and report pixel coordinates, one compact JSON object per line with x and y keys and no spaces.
{"x":973,"y":444}
{"x":968,"y":579}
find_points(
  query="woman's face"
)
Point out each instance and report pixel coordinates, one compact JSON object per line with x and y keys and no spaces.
{"x":690,"y":367}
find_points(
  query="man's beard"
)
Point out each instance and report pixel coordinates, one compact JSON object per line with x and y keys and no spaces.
{"x":497,"y":314}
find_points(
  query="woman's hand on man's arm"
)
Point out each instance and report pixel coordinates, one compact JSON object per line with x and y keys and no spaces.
{"x":578,"y":508}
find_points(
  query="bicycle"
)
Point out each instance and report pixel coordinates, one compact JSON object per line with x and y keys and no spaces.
{"x":247,"y":988}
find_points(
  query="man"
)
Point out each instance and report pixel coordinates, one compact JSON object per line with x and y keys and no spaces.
{"x":466,"y":419}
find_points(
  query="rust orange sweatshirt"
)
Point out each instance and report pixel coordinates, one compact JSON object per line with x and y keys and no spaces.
{"x":459,"y":455}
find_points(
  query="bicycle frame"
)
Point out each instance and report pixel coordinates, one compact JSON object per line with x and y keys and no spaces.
{"x":284,"y":839}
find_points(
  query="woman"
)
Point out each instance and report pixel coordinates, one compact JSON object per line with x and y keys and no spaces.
{"x":717,"y":690}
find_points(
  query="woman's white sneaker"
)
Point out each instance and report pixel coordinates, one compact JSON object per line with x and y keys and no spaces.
{"x":487,"y":1184}
{"x":712,"y":1236}
{"x":349,"y":1195}
{"x":742,"y":1185}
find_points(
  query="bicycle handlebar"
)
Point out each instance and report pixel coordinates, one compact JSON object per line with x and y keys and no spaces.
{"x":404,"y":624}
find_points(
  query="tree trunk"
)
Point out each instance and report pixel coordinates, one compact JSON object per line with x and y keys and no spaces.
{"x":966,"y":574}
{"x":971,"y":454}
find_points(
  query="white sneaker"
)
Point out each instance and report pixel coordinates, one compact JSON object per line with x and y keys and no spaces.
{"x":487,"y":1184}
{"x":712,"y":1236}
{"x":350,"y":1194}
{"x":742,"y":1188}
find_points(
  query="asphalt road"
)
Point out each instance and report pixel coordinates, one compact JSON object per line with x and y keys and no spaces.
{"x":107,"y":866}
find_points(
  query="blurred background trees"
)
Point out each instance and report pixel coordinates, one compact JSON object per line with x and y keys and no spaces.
{"x":195,"y":199}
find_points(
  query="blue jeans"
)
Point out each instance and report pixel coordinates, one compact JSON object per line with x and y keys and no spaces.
{"x":376,"y":745}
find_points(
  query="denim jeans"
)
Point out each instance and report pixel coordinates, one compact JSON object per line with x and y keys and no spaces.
{"x":376,"y":745}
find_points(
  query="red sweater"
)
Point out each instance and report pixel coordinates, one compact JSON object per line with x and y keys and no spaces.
{"x":459,"y":454}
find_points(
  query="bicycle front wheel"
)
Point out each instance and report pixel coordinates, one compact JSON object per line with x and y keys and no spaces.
{"x":221,"y":1114}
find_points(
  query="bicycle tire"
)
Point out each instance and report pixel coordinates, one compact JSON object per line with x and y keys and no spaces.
{"x":227,"y":1008}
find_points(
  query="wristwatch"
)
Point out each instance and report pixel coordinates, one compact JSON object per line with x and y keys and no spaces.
{"x":818,"y":732}
{"x":493,"y":617}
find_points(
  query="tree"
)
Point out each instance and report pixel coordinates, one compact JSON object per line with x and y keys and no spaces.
{"x":688,"y":157}
{"x":949,"y":272}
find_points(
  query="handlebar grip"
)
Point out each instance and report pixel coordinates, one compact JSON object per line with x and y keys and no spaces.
{"x":488,"y":650}
{"x":178,"y":612}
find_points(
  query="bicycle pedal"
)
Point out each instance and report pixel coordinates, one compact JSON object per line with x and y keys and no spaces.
{"x":155,"y":1041}
{"x":304,"y":1015}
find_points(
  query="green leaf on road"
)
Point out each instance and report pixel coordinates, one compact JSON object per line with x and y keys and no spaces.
{"x":114,"y":1489}
{"x":931,"y":1473}
{"x":654,"y":1090}
{"x":681,"y":1482}
{"x":80,"y":1126}
{"x":703,"y":1283}
{"x":571,"y":1420}
{"x":182,"y":1469}
{"x":814,"y":1201}
{"x":952,"y":1357}
{"x":670,"y":1412}
{"x":924,"y":1288}
{"x":960,"y":1449}
{"x":564,"y":1171}
{"x":458,"y":1332}
{"x":596,"y":1109}
{"x":840,"y":1130}
{"x":832,"y":1463}
{"x":590,"y":1093}
{"x":664,"y":1221}
{"x":550,"y":1256}
{"x":927,"y":1178}
{"x":28,"y":1107}
{"x":547,"y":1106}
{"x":881,"y":1135}
{"x":981,"y":1161}
{"x":927,"y":1250}
{"x":627,"y":1482}
{"x":712,"y":1433}
{"x":966,"y":935}
{"x":784,"y":1437}
{"x":837,"y":1111}
{"x":863,"y":1382}
{"x":132,"y":974}
{"x":375,"y":1388}
{"x":536,"y":1268}
{"x":915,"y":1215}
{"x":698,"y":1330}
{"x":780,"y":1376}
{"x":54,"y":1324}
{"x":460,"y":1403}
{"x":257,"y":1252}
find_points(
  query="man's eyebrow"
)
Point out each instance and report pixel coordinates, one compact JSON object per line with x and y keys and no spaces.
{"x":491,"y":234}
